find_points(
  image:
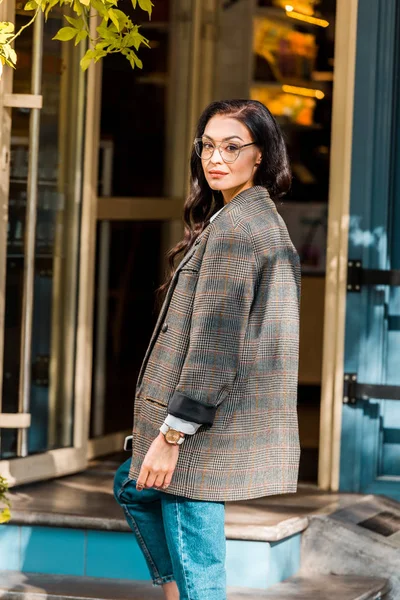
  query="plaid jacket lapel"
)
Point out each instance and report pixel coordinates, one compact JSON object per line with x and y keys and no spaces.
{"x":165,"y":304}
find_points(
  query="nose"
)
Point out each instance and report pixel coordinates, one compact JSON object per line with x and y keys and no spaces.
{"x":219,"y":157}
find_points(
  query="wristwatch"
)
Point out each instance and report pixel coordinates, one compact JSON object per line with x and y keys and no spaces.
{"x":172,"y":436}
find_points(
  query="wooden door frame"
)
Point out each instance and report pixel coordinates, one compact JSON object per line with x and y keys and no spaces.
{"x":337,"y":245}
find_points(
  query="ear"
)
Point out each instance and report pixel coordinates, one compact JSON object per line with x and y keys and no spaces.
{"x":259,"y":159}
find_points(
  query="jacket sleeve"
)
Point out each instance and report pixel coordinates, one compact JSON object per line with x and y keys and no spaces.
{"x":222,"y":303}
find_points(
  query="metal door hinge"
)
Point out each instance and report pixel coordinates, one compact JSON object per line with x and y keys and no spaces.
{"x":353,"y":391}
{"x":357,"y":277}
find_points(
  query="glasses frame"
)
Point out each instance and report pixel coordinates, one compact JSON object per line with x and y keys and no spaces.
{"x":217,"y":147}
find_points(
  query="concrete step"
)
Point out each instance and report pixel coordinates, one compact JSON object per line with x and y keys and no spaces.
{"x":27,"y":586}
{"x":363,"y":538}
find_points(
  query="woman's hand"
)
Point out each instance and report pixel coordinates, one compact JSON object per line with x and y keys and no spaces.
{"x":158,"y":465}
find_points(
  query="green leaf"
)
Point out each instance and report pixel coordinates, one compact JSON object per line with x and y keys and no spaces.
{"x":135,"y":39}
{"x":51,"y":5}
{"x":6,"y":27}
{"x":114,"y":18}
{"x":99,"y":54}
{"x":5,"y":515}
{"x":82,"y":35}
{"x":134,"y":2}
{"x":13,"y":56}
{"x":31,"y":5}
{"x":99,"y":6}
{"x":102,"y":45}
{"x":77,"y":23}
{"x":137,"y":60}
{"x":87,"y":59}
{"x":146,"y":5}
{"x":4,"y":38}
{"x":65,"y":34}
{"x":77,"y":8}
{"x":105,"y":32}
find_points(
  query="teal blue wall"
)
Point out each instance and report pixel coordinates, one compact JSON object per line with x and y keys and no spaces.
{"x":370,"y":445}
{"x":117,"y":555}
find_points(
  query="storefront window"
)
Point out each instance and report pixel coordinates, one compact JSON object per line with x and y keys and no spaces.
{"x":54,"y":299}
{"x":293,"y":49}
{"x":134,"y":109}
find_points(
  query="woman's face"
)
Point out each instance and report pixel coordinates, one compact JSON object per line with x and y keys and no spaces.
{"x":230,"y":177}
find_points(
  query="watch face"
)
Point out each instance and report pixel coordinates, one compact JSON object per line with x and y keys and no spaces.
{"x":172,"y":435}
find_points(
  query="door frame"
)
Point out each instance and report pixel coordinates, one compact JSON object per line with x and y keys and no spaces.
{"x":63,"y":461}
{"x":337,"y":245}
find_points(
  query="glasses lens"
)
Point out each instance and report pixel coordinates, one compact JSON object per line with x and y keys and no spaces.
{"x":207,"y":149}
{"x":198,"y":146}
{"x":229,"y":151}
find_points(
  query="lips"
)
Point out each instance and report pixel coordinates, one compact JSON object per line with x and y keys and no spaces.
{"x":217,"y":173}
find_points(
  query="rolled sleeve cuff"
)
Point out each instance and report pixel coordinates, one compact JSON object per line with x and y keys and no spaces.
{"x":186,"y":408}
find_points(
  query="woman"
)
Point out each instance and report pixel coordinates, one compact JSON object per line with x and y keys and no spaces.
{"x":215,"y":415}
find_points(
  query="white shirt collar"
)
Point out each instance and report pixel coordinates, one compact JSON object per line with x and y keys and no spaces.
{"x":215,"y":214}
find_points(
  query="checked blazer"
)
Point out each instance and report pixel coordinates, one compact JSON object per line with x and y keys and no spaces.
{"x":224,"y":353}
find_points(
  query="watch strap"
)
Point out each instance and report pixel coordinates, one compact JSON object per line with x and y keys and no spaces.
{"x":164,"y":428}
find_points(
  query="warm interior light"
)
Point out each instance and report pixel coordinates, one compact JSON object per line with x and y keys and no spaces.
{"x":305,"y":18}
{"x":301,"y":91}
{"x":289,"y":8}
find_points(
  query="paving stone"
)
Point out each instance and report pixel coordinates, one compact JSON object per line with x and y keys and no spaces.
{"x":25,"y":586}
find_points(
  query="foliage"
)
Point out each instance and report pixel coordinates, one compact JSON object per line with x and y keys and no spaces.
{"x":4,"y":501}
{"x":116,"y":32}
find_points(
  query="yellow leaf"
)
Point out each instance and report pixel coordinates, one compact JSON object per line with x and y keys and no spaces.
{"x":65,"y":34}
{"x":7,"y":27}
{"x":81,"y":36}
{"x":113,"y":18}
{"x":31,"y":5}
{"x":5,"y":515}
{"x":146,"y":5}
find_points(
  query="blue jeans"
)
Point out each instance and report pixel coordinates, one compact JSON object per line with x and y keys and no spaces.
{"x":181,"y":539}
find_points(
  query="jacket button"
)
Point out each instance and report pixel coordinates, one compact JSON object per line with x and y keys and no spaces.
{"x":164,"y":327}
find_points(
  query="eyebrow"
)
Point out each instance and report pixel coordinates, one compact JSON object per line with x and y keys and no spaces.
{"x":224,"y":139}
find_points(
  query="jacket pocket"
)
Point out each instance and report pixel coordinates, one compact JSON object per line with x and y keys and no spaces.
{"x":156,"y":401}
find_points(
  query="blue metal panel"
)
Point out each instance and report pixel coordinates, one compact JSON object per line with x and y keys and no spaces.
{"x":52,"y":550}
{"x":115,"y":555}
{"x":284,"y":559}
{"x":9,"y":548}
{"x":369,"y":455}
{"x":247,"y":563}
{"x":260,"y":564}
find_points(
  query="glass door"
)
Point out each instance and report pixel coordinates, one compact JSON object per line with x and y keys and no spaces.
{"x":43,"y":118}
{"x":142,"y":186}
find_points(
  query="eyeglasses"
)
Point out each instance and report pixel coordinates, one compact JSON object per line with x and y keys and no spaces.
{"x":229,"y":151}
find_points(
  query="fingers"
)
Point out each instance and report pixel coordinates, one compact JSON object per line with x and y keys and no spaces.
{"x":141,"y":480}
{"x":148,"y":479}
{"x":159,"y":481}
{"x":167,"y":480}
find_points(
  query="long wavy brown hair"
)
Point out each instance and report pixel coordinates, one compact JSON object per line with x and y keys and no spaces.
{"x":273,"y":173}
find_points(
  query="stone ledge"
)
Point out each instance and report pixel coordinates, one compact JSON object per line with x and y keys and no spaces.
{"x":86,"y":501}
{"x":21,"y":586}
{"x":253,"y":532}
